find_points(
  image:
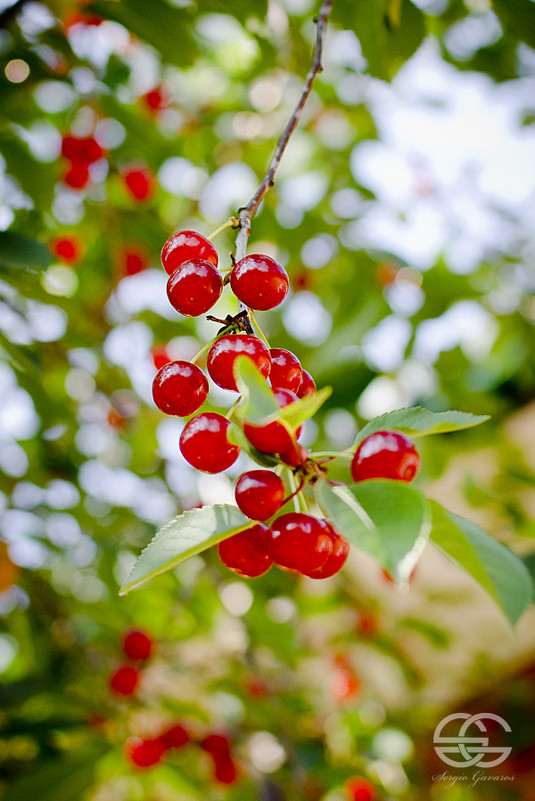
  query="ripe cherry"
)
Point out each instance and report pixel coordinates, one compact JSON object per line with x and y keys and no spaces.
{"x":259,"y":282}
{"x":385,"y":454}
{"x":124,"y":680}
{"x":300,"y":542}
{"x":139,"y":182}
{"x":144,"y":753}
{"x":216,"y":744}
{"x":77,"y":176}
{"x":174,"y":737}
{"x":67,"y":248}
{"x":204,"y":443}
{"x":259,"y":494}
{"x":248,"y":552}
{"x":180,"y":388}
{"x":295,"y":456}
{"x":160,"y":356}
{"x":194,"y":287}
{"x":133,"y":260}
{"x":225,"y":771}
{"x":226,"y":350}
{"x":84,"y":150}
{"x":307,"y":385}
{"x":286,"y":371}
{"x":185,"y":246}
{"x":337,"y":557}
{"x":137,"y":645}
{"x":359,"y":789}
{"x":274,"y":437}
{"x":156,"y":100}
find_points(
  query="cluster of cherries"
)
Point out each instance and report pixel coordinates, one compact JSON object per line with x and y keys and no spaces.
{"x":294,"y":541}
{"x":138,"y":647}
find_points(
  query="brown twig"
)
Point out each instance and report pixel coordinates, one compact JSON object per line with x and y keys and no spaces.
{"x":247,"y":213}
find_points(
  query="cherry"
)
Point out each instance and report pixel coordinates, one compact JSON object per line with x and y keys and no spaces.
{"x":185,"y":246}
{"x":174,"y":737}
{"x":294,"y":457}
{"x":344,"y":685}
{"x":216,"y":744}
{"x":155,"y":100}
{"x":336,"y":559}
{"x":144,"y":753}
{"x":259,"y":282}
{"x":133,"y":260}
{"x":204,"y":443}
{"x":140,"y":183}
{"x":194,"y":287}
{"x":124,"y":680}
{"x":160,"y":356}
{"x":180,"y":388}
{"x":225,"y":771}
{"x":248,"y":552}
{"x":274,"y":437}
{"x":385,"y":454}
{"x":225,"y":351}
{"x":84,"y":150}
{"x":259,"y":494}
{"x":286,"y":370}
{"x":67,"y":248}
{"x":300,"y":542}
{"x":77,"y":176}
{"x":137,"y":645}
{"x":307,"y":385}
{"x":359,"y":789}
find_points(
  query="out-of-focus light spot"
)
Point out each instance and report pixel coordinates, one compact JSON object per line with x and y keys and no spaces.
{"x":62,"y":530}
{"x":340,"y":427}
{"x":182,"y":178}
{"x":310,"y":433}
{"x":18,"y":418}
{"x":123,"y":565}
{"x":17,"y":70}
{"x":281,"y":609}
{"x":27,"y":495}
{"x":319,"y":250}
{"x":380,"y":396}
{"x":126,"y":343}
{"x":384,"y":346}
{"x":265,"y":752}
{"x":372,"y":714}
{"x":226,"y":189}
{"x":391,"y":775}
{"x":306,"y":319}
{"x":55,"y":432}
{"x":46,"y":323}
{"x":61,"y":494}
{"x":266,"y":93}
{"x":347,"y":203}
{"x":236,"y":597}
{"x":404,"y":298}
{"x":215,"y":489}
{"x":90,"y":590}
{"x":465,"y":323}
{"x":9,"y":648}
{"x":416,"y":380}
{"x":35,"y":18}
{"x":54,"y":96}
{"x":79,"y":385}
{"x":247,"y":125}
{"x":43,"y":139}
{"x":28,"y":553}
{"x":60,"y":280}
{"x":334,"y":130}
{"x":109,"y":133}
{"x":67,"y":206}
{"x":13,"y":459}
{"x":304,"y":192}
{"x":288,"y":216}
{"x":464,"y":38}
{"x":392,"y":744}
{"x":84,"y":358}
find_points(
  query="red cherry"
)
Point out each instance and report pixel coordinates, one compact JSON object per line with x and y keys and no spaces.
{"x":359,"y":789}
{"x":307,"y":385}
{"x":133,"y":260}
{"x":204,"y":443}
{"x":273,"y":438}
{"x":367,"y":623}
{"x":294,"y":457}
{"x":67,"y":248}
{"x":225,"y":351}
{"x":225,"y":771}
{"x":140,"y":183}
{"x":77,"y":176}
{"x":84,"y":150}
{"x":286,"y":370}
{"x":337,"y":557}
{"x":144,"y":753}
{"x":344,"y":685}
{"x":125,"y":680}
{"x":259,"y":282}
{"x":160,"y":356}
{"x":216,"y":744}
{"x":300,"y":542}
{"x":194,"y":287}
{"x":259,"y":494}
{"x":174,"y":737}
{"x":385,"y":454}
{"x":137,"y":645}
{"x":156,"y":100}
{"x":248,"y":552}
{"x":185,"y":246}
{"x":180,"y":388}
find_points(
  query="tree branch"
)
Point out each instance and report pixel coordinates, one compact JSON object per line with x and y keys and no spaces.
{"x":247,"y":213}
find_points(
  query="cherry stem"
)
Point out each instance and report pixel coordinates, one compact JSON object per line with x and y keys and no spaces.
{"x":259,"y":330}
{"x":201,"y":352}
{"x":295,"y":492}
{"x":247,"y":213}
{"x":232,"y":222}
{"x":233,"y":408}
{"x":293,"y":485}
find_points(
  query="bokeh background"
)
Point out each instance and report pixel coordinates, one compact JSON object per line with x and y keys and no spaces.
{"x":403,"y":211}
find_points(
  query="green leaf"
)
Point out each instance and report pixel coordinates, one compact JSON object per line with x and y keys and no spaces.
{"x":519,"y":17}
{"x":419,"y":422}
{"x":21,"y":251}
{"x":188,"y":534}
{"x":258,"y":399}
{"x":296,"y":413}
{"x":501,"y":574}
{"x":389,"y":520}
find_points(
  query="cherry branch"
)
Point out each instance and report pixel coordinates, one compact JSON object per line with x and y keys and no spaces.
{"x":247,"y":213}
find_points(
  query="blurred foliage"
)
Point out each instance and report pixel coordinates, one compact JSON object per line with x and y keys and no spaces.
{"x":312,"y":685}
